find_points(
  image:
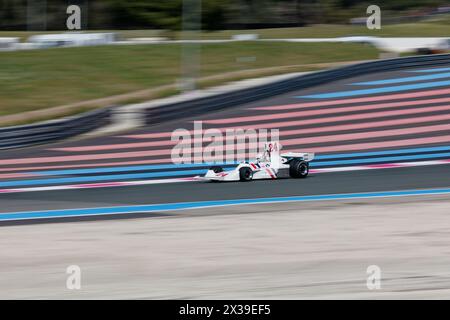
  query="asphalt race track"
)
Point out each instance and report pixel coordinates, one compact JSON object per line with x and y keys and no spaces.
{"x":382,"y":132}
{"x":320,"y":184}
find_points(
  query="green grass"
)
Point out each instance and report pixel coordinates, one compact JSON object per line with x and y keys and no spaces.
{"x":39,"y":79}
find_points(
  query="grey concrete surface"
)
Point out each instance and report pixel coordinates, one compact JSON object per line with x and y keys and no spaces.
{"x":287,"y":251}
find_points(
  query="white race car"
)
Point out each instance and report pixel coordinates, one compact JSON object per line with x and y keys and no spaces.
{"x":268,"y":165}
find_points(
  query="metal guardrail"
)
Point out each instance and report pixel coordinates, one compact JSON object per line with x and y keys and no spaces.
{"x":196,"y":107}
{"x":52,"y":131}
{"x":55,"y":130}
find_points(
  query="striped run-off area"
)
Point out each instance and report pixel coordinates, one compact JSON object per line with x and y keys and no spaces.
{"x":371,"y":122}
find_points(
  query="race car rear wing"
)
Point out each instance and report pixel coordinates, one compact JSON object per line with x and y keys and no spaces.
{"x":307,"y":156}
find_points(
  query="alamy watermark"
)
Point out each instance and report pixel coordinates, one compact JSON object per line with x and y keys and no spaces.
{"x":73,"y":281}
{"x":373,"y":22}
{"x":73,"y":21}
{"x":374,"y":279}
{"x":228,"y":145}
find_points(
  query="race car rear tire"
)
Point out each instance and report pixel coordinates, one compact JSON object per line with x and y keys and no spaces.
{"x":245,"y":174}
{"x":298,"y":169}
{"x":216,"y":169}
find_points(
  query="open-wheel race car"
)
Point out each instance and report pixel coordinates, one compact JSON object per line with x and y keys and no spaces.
{"x":268,"y":165}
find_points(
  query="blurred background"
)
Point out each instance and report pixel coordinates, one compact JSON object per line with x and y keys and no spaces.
{"x":126,"y":46}
{"x":109,"y":55}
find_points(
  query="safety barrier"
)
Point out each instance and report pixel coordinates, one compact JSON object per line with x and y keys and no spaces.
{"x":50,"y":131}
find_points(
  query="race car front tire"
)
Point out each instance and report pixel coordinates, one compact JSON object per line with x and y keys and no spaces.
{"x":245,"y":174}
{"x":298,"y":169}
